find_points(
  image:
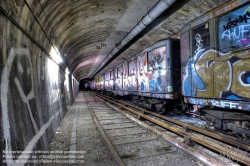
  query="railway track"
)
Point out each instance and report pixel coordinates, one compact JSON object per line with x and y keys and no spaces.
{"x":133,"y":144}
{"x":190,"y":134}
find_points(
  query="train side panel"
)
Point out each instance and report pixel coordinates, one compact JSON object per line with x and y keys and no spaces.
{"x":215,"y":59}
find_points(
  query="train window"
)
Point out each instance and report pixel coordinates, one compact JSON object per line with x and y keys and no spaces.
{"x":157,"y":59}
{"x":201,"y":38}
{"x":234,"y":29}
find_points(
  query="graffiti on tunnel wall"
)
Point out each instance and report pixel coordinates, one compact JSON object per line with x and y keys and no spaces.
{"x":221,"y":73}
{"x":17,"y":92}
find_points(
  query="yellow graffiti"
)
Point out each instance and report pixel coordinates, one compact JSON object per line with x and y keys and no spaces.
{"x":220,"y":74}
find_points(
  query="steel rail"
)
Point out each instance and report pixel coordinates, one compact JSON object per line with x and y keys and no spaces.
{"x":188,"y":149}
{"x":223,"y":150}
{"x":114,"y":153}
{"x":224,"y":138}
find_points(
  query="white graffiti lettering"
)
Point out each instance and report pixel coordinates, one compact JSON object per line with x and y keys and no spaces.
{"x":236,"y":34}
{"x":223,"y":104}
{"x":198,"y":42}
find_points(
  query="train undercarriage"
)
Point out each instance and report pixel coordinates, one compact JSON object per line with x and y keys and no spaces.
{"x":232,"y":123}
{"x":156,"y":105}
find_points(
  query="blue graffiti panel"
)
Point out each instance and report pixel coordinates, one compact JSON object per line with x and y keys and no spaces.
{"x":234,"y":29}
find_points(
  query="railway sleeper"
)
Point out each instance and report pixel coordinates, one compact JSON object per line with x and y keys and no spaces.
{"x":188,"y":141}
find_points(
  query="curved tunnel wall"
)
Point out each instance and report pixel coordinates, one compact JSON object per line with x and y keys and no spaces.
{"x":35,"y":91}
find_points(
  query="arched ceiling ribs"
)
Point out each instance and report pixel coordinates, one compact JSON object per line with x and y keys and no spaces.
{"x":77,"y":39}
{"x":79,"y":28}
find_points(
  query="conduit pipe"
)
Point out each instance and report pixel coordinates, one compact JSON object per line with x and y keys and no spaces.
{"x":158,"y":9}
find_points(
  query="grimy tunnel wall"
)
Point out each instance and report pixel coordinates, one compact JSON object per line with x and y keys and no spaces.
{"x":35,"y":90}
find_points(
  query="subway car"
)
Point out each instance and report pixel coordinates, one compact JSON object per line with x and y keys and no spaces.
{"x":150,"y":78}
{"x":215,"y":60}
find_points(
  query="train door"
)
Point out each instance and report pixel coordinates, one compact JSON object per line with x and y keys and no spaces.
{"x":199,"y":77}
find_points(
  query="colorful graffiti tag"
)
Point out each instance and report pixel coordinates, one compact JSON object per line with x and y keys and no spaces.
{"x":158,"y":73}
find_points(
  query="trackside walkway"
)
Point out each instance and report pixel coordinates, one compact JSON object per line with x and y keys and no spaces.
{"x":77,"y":141}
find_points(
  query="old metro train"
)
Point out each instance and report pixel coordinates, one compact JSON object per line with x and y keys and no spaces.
{"x":151,"y":77}
{"x":209,"y":71}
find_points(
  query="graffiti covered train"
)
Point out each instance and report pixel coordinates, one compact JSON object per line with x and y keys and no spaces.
{"x":215,"y":58}
{"x":209,"y":71}
{"x":151,"y":77}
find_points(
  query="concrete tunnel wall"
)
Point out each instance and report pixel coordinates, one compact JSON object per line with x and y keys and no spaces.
{"x":35,"y":91}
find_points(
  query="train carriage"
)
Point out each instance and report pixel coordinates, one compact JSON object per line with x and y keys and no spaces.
{"x":215,"y":58}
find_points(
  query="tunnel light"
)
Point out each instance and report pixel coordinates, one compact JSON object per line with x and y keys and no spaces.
{"x":67,"y":71}
{"x":54,"y":53}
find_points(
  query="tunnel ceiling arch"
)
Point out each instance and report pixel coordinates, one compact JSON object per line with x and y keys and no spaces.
{"x":87,"y":31}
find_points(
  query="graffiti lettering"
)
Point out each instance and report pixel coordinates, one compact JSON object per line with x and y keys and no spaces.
{"x":233,"y":23}
{"x":198,"y":42}
{"x":163,"y":96}
{"x":197,"y":101}
{"x":144,"y":94}
{"x":234,"y":34}
{"x":224,"y":104}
